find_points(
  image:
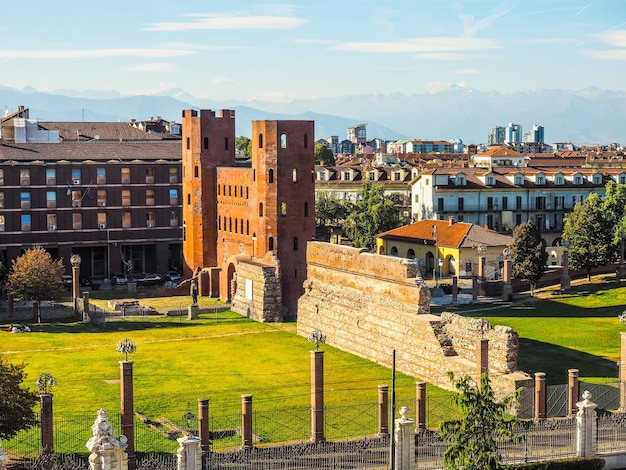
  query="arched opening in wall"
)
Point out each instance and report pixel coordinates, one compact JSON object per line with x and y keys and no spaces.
{"x":294,"y":175}
{"x":241,"y":226}
{"x":188,"y":199}
{"x":219,"y":223}
{"x":230,"y":224}
{"x":236,"y":226}
{"x":295,"y":243}
{"x":231,"y":279}
{"x":260,"y":209}
{"x":247,"y":192}
{"x":270,"y":175}
{"x":254,"y":174}
{"x":381,"y":250}
{"x":283,"y":141}
{"x":195,"y":171}
{"x":260,"y":141}
{"x":270,"y":244}
{"x":283,"y":209}
{"x":247,"y":227}
{"x":306,"y":209}
{"x":230,"y":190}
{"x":306,"y":140}
{"x":224,"y":223}
{"x":225,"y":143}
{"x":410,"y":253}
{"x":235,"y":191}
{"x":206,"y":143}
{"x":312,"y":176}
{"x":429,"y":263}
{"x":394,"y":251}
{"x":188,"y":143}
{"x":451,"y":264}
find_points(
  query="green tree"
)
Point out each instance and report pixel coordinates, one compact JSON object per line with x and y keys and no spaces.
{"x":16,"y":402}
{"x":35,"y":276}
{"x":324,"y":154}
{"x":329,"y":212}
{"x":529,"y":257}
{"x":471,"y":440}
{"x":243,"y":145}
{"x":590,"y":235}
{"x":374,"y":213}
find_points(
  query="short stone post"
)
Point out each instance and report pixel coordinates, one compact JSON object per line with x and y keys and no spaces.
{"x":203,"y":424}
{"x":404,"y":441}
{"x":507,"y":288}
{"x":246,"y":421}
{"x":127,"y":409}
{"x":622,"y":372}
{"x":189,"y":453}
{"x":317,"y":396}
{"x":47,"y":433}
{"x":482,"y":358}
{"x":420,"y":406}
{"x":383,"y":410}
{"x":572,"y":391}
{"x":85,"y":306}
{"x":586,"y":427}
{"x":540,"y":395}
{"x":455,"y":288}
{"x":107,"y":452}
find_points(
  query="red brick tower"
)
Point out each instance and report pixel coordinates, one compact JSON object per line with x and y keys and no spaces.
{"x":208,"y":143}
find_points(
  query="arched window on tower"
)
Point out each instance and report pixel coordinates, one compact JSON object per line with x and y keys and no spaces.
{"x":306,"y":140}
{"x":225,"y":143}
{"x":270,"y":175}
{"x":306,"y":209}
{"x":295,"y":243}
{"x":270,"y":244}
{"x":260,"y":141}
{"x":294,"y":175}
{"x":206,"y":143}
{"x":195,"y":171}
{"x":188,"y":199}
{"x":188,"y":143}
{"x":260,"y":209}
{"x":283,"y":141}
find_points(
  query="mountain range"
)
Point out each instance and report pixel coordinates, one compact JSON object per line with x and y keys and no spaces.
{"x":586,"y":117}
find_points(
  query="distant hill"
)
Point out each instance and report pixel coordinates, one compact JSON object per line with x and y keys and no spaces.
{"x":589,"y":116}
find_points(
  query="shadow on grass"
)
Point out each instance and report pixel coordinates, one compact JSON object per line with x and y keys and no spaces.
{"x":533,"y":354}
{"x":554,"y":309}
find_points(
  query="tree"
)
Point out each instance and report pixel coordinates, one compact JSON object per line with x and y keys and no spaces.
{"x":528,"y":254}
{"x":35,"y":276}
{"x":243,"y":145}
{"x":16,"y":403}
{"x":590,"y":235}
{"x":374,"y":213}
{"x":325,"y":155}
{"x":329,"y":211}
{"x":471,"y":440}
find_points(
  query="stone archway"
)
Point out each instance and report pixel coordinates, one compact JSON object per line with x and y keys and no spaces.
{"x":451,"y":265}
{"x":231,"y":281}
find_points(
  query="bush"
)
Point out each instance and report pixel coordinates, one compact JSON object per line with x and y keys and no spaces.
{"x":590,"y":463}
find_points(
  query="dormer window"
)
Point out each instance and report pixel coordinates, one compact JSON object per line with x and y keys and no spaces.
{"x":460,"y":180}
{"x":621,"y":179}
{"x":371,"y":176}
{"x":597,"y":178}
{"x":578,"y":178}
{"x":490,"y":180}
{"x":346,"y":176}
{"x":540,"y":179}
{"x":518,"y":180}
{"x":397,"y":176}
{"x":558,"y":179}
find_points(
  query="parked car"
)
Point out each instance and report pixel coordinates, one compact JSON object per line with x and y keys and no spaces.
{"x":152,"y":279}
{"x":67,"y":280}
{"x":119,"y":279}
{"x":85,"y":281}
{"x":173,"y":276}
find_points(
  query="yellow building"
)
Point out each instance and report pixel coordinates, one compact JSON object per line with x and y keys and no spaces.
{"x":447,"y":248}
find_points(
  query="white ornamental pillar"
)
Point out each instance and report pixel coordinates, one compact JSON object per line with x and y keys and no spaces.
{"x":107,"y":452}
{"x":189,"y":453}
{"x":404,"y":440}
{"x":586,"y":428}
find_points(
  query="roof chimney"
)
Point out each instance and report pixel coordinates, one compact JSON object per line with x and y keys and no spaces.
{"x":450,"y":220}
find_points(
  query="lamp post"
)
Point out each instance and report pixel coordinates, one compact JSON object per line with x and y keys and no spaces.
{"x":435,"y":234}
{"x":75,"y":262}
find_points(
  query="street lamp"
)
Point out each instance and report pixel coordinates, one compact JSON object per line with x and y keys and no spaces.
{"x":75,"y":262}
{"x":435,"y":234}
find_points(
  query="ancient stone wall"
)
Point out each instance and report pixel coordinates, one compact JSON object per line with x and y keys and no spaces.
{"x":369,"y":305}
{"x":258,"y":294}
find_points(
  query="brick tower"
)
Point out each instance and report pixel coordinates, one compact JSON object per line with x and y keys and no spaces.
{"x":208,"y":143}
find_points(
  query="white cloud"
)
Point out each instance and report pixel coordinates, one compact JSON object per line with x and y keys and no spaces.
{"x":152,"y":67}
{"x":222,"y":80}
{"x":611,"y":55}
{"x":438,"y":87}
{"x":613,"y":38}
{"x":91,"y":53}
{"x":472,"y":26}
{"x":445,"y":56}
{"x":430,"y":44}
{"x":217,"y":21}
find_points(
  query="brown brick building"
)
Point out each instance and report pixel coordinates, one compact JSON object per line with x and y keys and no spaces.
{"x":261,"y":213}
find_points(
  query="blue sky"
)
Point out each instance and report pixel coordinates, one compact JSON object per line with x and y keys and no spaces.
{"x":244,"y":50}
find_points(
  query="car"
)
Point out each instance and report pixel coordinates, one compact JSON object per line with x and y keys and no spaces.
{"x":85,"y":281}
{"x":67,"y":280}
{"x":119,"y":279}
{"x":173,"y":276}
{"x":152,"y":279}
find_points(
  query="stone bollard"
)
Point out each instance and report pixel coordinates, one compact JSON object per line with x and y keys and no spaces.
{"x":246,"y":421}
{"x":107,"y":452}
{"x":317,"y":396}
{"x":47,"y":433}
{"x":203,"y":424}
{"x":383,"y":410}
{"x":540,"y":395}
{"x":572,"y":391}
{"x":586,"y":427}
{"x":404,"y":441}
{"x":189,"y":453}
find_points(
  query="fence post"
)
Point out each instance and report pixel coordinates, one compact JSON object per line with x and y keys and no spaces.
{"x":540,"y":395}
{"x":47,"y":433}
{"x":246,"y":421}
{"x":203,"y":424}
{"x":622,"y":373}
{"x":572,"y":391}
{"x":420,"y":405}
{"x":404,"y":438}
{"x":383,"y":410}
{"x":586,"y":427}
{"x":189,"y":454}
{"x":127,"y":409}
{"x":317,"y":396}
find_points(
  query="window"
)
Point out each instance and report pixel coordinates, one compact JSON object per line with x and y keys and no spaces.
{"x":519,"y":180}
{"x":270,"y":175}
{"x":173,"y":197}
{"x":371,"y":175}
{"x":196,"y":171}
{"x":51,"y":176}
{"x":260,"y":209}
{"x":622,"y":179}
{"x":460,"y":204}
{"x":236,"y":226}
{"x":51,"y":222}
{"x":174,"y":218}
{"x":150,"y":221}
{"x":505,"y":203}
{"x":206,"y":143}
{"x":295,"y":243}
{"x":283,"y":209}
{"x":346,"y":176}
{"x":173,"y":175}
{"x":270,"y":243}
{"x":397,"y":176}
{"x":540,"y":203}
{"x":490,"y":204}
{"x":2,"y":226}
{"x":125,"y":175}
{"x":25,"y":220}
{"x":102,"y":220}
{"x":283,"y":141}
{"x":150,"y":175}
{"x":578,"y":179}
{"x":558,"y":179}
{"x":77,"y":198}
{"x":460,"y":180}
{"x":51,"y":199}
{"x":77,"y":221}
{"x":491,"y":180}
{"x":126,"y":220}
{"x":518,"y":202}
{"x":1,"y":200}
{"x":125,"y":197}
{"x":188,"y":143}
{"x":294,"y":175}
{"x":230,"y":224}
{"x":1,"y":176}
{"x":75,"y":175}
{"x":260,"y":141}
{"x":540,"y":179}
{"x":25,"y":199}
{"x":597,"y":178}
{"x":101,"y":198}
{"x":306,"y":209}
{"x":306,"y":140}
{"x":225,"y":143}
{"x":101,"y":175}
{"x":440,"y":204}
{"x":24,"y":177}
{"x":150,"y":197}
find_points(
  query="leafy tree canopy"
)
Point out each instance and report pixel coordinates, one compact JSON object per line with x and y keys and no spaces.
{"x":329,"y":212}
{"x":528,"y":253}
{"x":471,"y":440}
{"x":16,"y":402}
{"x":374,"y":213}
{"x":36,"y":276}
{"x":243,"y":145}
{"x":324,"y":154}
